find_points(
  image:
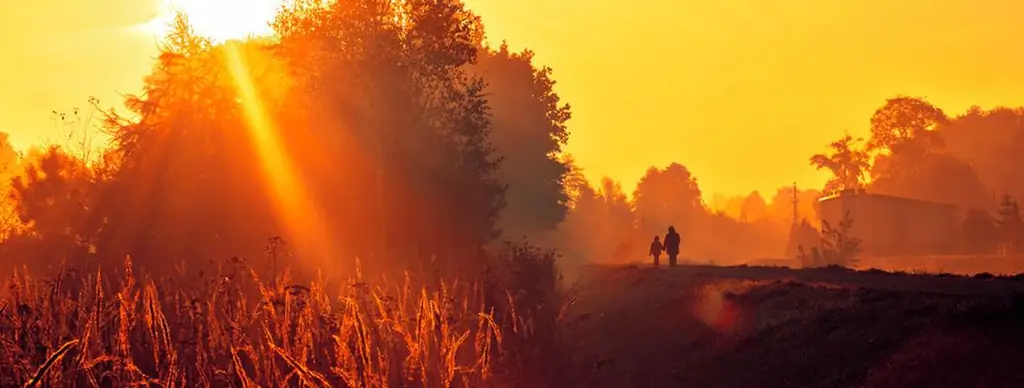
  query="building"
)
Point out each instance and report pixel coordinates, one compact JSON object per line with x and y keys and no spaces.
{"x":890,"y":225}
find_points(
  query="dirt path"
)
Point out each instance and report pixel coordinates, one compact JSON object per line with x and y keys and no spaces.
{"x":765,"y":327}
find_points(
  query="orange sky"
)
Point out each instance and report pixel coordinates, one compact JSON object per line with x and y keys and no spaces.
{"x":740,"y":91}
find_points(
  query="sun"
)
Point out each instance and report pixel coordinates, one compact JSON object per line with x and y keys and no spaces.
{"x":219,"y":20}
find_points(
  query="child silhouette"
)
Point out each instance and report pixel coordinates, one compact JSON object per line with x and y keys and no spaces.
{"x":656,"y":249}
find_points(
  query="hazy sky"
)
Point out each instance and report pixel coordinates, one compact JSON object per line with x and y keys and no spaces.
{"x":740,"y":91}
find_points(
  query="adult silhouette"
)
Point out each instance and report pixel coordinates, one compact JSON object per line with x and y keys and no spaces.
{"x":671,"y":242}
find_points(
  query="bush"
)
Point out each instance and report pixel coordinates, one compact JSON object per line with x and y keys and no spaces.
{"x":524,"y":285}
{"x":837,"y":246}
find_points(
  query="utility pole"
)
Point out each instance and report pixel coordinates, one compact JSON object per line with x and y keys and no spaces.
{"x":796,"y":209}
{"x":792,"y":246}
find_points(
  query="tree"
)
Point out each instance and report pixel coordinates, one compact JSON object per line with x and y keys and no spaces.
{"x":1009,"y":225}
{"x":916,"y":162}
{"x":598,"y":226}
{"x":665,"y":197}
{"x":980,"y":232}
{"x":847,"y":162}
{"x":614,"y":198}
{"x":781,"y":206}
{"x":992,"y":142}
{"x":386,"y":143}
{"x":754,"y":207}
{"x":53,"y":198}
{"x":905,"y":121}
{"x":9,"y":158}
{"x":731,"y":206}
{"x":370,"y":111}
{"x":932,"y":176}
{"x":801,"y":234}
{"x":10,"y":166}
{"x":574,"y":182}
{"x":386,"y":85}
{"x":529,"y":131}
{"x":187,"y":183}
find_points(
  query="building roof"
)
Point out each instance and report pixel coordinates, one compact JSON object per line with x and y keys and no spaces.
{"x":863,"y":194}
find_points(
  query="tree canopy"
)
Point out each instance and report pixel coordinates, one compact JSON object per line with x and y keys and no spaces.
{"x":847,"y":162}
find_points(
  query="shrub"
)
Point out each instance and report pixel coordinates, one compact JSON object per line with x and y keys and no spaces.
{"x":837,"y":246}
{"x":524,"y":286}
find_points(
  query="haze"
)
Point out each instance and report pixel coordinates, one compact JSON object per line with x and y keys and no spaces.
{"x":383,"y":193}
{"x":708,"y":84}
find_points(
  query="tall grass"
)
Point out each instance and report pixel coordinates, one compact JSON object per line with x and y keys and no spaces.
{"x":235,"y":329}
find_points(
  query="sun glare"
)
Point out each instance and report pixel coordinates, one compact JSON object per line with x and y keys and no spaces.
{"x":219,"y":20}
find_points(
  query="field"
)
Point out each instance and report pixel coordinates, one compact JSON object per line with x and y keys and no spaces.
{"x":692,"y":326}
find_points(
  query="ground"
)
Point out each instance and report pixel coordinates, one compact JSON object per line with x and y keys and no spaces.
{"x":703,"y":326}
{"x":953,"y":264}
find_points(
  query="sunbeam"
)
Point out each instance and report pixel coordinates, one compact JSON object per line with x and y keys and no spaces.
{"x":295,"y":207}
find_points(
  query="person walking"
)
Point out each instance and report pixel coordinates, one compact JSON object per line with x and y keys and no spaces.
{"x":672,"y":241}
{"x":656,"y":249}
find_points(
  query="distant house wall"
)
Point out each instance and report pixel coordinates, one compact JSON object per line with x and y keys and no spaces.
{"x":891,"y":225}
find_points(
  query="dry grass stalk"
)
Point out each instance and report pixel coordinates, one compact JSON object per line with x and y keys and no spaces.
{"x":237,"y":330}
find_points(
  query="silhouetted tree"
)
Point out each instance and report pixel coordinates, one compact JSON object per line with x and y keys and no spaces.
{"x":387,"y":89}
{"x":847,"y":162}
{"x":53,"y":198}
{"x":801,"y":234}
{"x":620,"y":218}
{"x":933,"y":176}
{"x":916,"y":163}
{"x":9,"y":159}
{"x":980,"y":232}
{"x":754,"y":207}
{"x":992,"y":142}
{"x":599,"y":221}
{"x":905,"y":121}
{"x":529,"y":131}
{"x":574,"y":182}
{"x":668,"y":196}
{"x":731,"y":206}
{"x":781,"y":206}
{"x":10,"y":167}
{"x":369,"y":110}
{"x":1009,"y":223}
{"x":188,"y":182}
